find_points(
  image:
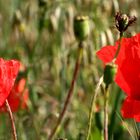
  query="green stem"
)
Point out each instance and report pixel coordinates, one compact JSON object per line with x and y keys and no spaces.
{"x":119,"y":46}
{"x":113,"y":115}
{"x":106,"y":113}
{"x":70,"y":92}
{"x":12,"y":120}
{"x":92,"y":107}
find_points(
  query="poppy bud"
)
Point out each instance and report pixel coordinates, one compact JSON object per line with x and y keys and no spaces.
{"x":109,"y":73}
{"x":99,"y":117}
{"x":81,"y":27}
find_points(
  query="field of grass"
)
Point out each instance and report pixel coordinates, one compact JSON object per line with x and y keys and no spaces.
{"x":39,"y":33}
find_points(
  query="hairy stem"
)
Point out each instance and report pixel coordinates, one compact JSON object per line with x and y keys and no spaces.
{"x":119,"y":46}
{"x":70,"y":92}
{"x":106,"y":113}
{"x":113,"y":114}
{"x":92,"y":107}
{"x":11,"y":119}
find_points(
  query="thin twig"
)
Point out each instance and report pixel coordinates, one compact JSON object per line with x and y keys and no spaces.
{"x":11,"y":119}
{"x":92,"y":107}
{"x":70,"y":92}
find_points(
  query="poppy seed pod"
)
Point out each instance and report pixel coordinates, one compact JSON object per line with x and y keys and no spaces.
{"x":109,"y":73}
{"x":81,"y":27}
{"x":123,"y":21}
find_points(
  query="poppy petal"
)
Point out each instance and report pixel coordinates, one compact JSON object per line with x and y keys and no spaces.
{"x":128,"y":62}
{"x":130,"y":109}
{"x":106,"y":54}
{"x":8,"y":73}
{"x":127,"y":109}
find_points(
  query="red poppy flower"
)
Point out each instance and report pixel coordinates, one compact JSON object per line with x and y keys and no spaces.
{"x":18,"y":97}
{"x":8,"y":73}
{"x":128,"y":73}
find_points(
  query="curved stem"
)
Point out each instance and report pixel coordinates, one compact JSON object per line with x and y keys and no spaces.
{"x":92,"y":107}
{"x":70,"y":92}
{"x":106,"y":113}
{"x":12,"y":120}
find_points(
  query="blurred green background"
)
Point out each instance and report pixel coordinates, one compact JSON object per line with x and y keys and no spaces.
{"x":39,"y":33}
